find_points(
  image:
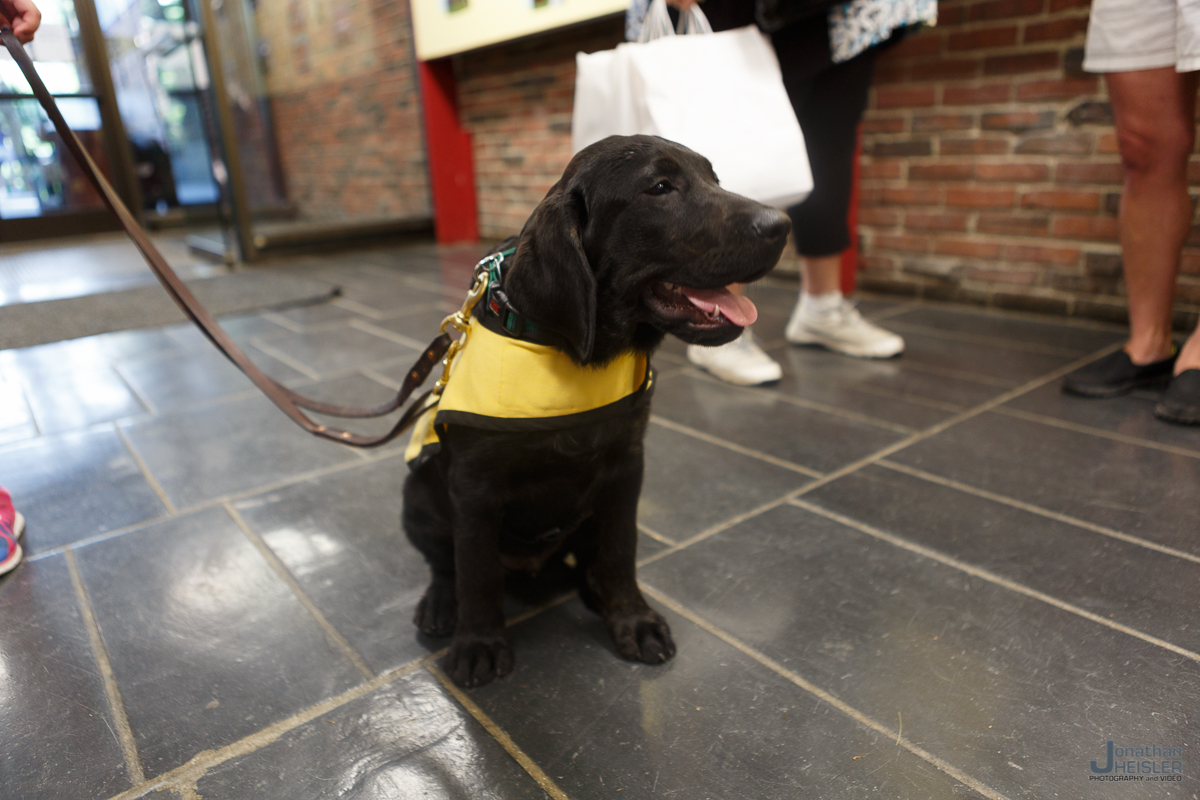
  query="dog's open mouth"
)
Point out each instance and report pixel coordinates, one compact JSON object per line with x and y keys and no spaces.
{"x":703,"y":308}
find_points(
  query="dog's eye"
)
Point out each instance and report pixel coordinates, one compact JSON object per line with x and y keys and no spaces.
{"x":662,"y":187}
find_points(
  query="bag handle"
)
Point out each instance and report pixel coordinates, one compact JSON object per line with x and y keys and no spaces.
{"x":657,"y":23}
{"x":288,"y":401}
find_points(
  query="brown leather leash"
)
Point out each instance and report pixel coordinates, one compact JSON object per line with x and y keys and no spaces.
{"x":288,"y":401}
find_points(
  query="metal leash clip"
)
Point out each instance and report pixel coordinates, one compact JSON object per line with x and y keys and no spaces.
{"x":461,"y":320}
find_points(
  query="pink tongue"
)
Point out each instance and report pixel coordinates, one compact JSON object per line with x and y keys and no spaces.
{"x":738,"y":309}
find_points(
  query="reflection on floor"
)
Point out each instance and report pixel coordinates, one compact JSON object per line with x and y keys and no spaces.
{"x":929,"y":577}
{"x":45,"y":270}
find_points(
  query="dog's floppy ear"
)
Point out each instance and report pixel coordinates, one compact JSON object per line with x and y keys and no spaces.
{"x":551,"y":281}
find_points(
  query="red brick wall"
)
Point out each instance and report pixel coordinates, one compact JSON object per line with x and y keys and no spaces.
{"x":990,"y":170}
{"x":516,"y":101}
{"x":347,"y":113}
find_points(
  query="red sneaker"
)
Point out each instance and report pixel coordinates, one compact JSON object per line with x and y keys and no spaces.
{"x":12,"y":525}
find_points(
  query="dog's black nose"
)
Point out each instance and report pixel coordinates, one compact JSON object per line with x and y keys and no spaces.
{"x":771,"y":224}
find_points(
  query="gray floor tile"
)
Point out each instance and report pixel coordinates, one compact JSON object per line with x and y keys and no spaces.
{"x":1136,"y":490}
{"x":16,"y":422}
{"x":85,"y":396}
{"x":898,"y":410}
{"x":361,"y":391}
{"x":216,"y":450}
{"x":978,"y":675}
{"x":75,"y":485}
{"x":341,"y":537}
{"x":207,"y":643}
{"x":419,"y":324}
{"x":392,"y":295}
{"x":57,"y":739}
{"x":169,"y":382}
{"x":816,"y":366}
{"x":1124,"y":582}
{"x":1000,"y":364}
{"x":240,"y":327}
{"x":1013,"y":329}
{"x":406,"y":740}
{"x":1131,"y":415}
{"x":648,"y":546}
{"x":691,"y":485}
{"x":757,"y":420}
{"x":711,"y":723}
{"x":317,"y":314}
{"x":338,"y":350}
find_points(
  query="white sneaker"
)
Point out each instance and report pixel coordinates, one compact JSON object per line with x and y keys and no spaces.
{"x":842,"y":329}
{"x":741,"y":361}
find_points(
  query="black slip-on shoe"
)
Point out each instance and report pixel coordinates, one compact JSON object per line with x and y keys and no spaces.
{"x":1181,"y":402}
{"x":1115,"y":375}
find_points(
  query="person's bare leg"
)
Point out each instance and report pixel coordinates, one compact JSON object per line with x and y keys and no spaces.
{"x":822,"y":274}
{"x":1154,"y":111}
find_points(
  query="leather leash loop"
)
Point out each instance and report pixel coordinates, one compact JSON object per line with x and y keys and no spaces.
{"x":288,"y":401}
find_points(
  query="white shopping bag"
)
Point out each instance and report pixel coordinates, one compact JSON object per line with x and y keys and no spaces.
{"x":721,"y":94}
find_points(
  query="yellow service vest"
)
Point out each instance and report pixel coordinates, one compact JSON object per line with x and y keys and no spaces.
{"x":505,"y":384}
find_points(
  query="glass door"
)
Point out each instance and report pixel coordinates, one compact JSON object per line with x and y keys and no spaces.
{"x":43,"y":192}
{"x":158,"y":71}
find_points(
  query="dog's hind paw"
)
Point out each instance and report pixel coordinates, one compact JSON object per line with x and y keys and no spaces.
{"x":476,"y":662}
{"x":642,"y":636}
{"x":438,"y":610}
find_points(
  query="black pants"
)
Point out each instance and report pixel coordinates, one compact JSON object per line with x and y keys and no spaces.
{"x":829,"y":100}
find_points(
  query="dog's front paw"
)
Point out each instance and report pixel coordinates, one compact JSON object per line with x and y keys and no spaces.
{"x":642,"y":636}
{"x":438,"y":610}
{"x":476,"y":661}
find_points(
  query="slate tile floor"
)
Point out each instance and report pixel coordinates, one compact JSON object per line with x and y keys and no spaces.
{"x":930,"y":577}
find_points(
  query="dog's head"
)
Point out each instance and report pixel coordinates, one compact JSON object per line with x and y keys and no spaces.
{"x":638,"y":240}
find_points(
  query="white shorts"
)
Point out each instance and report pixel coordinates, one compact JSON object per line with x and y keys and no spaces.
{"x":1131,"y":35}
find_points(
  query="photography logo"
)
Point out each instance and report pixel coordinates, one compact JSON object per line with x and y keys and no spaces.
{"x":1141,"y":763}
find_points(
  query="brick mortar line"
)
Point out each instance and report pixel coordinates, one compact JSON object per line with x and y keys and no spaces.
{"x":500,"y":735}
{"x":991,"y":577}
{"x":1034,"y":509}
{"x":133,"y":763}
{"x":823,"y":695}
{"x":285,"y":574}
{"x":1100,"y":433}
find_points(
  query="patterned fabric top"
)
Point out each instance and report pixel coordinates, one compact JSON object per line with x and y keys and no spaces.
{"x":853,"y":26}
{"x":859,"y":24}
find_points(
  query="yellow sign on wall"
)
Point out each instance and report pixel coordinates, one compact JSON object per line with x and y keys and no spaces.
{"x":446,"y":27}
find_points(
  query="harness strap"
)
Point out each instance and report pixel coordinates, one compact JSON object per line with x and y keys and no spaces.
{"x":288,"y":401}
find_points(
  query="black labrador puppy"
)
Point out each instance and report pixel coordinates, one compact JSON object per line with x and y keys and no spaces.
{"x":637,"y":240}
